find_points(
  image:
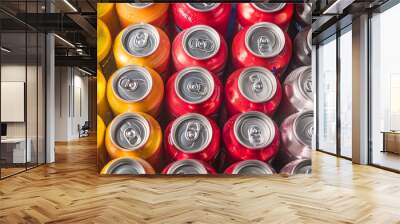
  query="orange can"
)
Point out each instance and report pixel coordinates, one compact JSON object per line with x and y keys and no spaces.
{"x":102,"y":155}
{"x":136,"y":135}
{"x":103,"y":110}
{"x":135,"y":88}
{"x":104,"y":54}
{"x":106,"y":12}
{"x":128,"y":166}
{"x":143,"y":44}
{"x":153,"y":13}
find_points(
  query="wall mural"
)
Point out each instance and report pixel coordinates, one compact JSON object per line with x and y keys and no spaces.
{"x":204,"y":88}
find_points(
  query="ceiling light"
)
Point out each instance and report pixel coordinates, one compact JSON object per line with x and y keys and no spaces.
{"x":70,"y":5}
{"x":64,"y":40}
{"x":5,"y":49}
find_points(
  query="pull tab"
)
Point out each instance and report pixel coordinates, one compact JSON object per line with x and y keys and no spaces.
{"x":308,"y":85}
{"x":141,"y":40}
{"x":254,"y":133}
{"x":263,"y":43}
{"x":129,"y":84}
{"x":257,"y":85}
{"x":309,"y":131}
{"x":192,"y":131}
{"x":197,"y":87}
{"x":206,"y":5}
{"x":201,"y":44}
{"x":132,"y":137}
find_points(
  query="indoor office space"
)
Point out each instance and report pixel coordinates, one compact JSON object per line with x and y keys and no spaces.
{"x":53,"y":147}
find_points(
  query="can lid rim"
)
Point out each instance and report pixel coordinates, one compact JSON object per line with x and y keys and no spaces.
{"x":120,"y":118}
{"x":299,"y":116}
{"x":279,"y":33}
{"x":205,"y":72}
{"x":268,"y":121}
{"x":133,"y":5}
{"x":202,"y":10}
{"x":208,"y":29}
{"x":268,"y":75}
{"x":132,"y":27}
{"x":184,"y":162}
{"x":294,"y":166}
{"x":280,"y":7}
{"x":125,"y":69}
{"x":258,"y":163}
{"x":128,"y":161}
{"x":185,"y":117}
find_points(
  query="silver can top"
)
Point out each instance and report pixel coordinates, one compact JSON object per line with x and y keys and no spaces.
{"x":305,"y":82}
{"x":253,"y":167}
{"x":187,"y":166}
{"x":140,"y":5}
{"x":191,"y":133}
{"x":309,"y":39}
{"x":265,"y":40}
{"x":304,"y":127}
{"x":126,"y":165}
{"x":300,"y":166}
{"x":140,"y":40}
{"x":304,"y":12}
{"x":194,"y":85}
{"x":203,"y":6}
{"x":130,"y":131}
{"x":257,"y":84}
{"x":201,"y":42}
{"x":132,"y":83}
{"x":269,"y":7}
{"x":254,"y":130}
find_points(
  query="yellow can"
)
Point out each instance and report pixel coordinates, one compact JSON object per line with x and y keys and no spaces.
{"x":102,"y":155}
{"x":106,"y":12}
{"x":103,"y":110}
{"x":134,"y":88}
{"x":136,"y":135}
{"x":127,"y":165}
{"x":104,"y":54}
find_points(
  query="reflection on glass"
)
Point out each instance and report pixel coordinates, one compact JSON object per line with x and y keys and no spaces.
{"x":385,"y":84}
{"x":327,"y":97}
{"x":346,"y":94}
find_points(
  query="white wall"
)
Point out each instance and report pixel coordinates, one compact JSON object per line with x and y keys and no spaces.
{"x":71,"y":93}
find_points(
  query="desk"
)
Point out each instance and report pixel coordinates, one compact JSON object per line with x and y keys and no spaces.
{"x":13,"y":150}
{"x":391,"y":141}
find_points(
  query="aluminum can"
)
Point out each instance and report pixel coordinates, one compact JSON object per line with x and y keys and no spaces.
{"x":278,"y":13}
{"x":135,"y":89}
{"x":252,"y":89}
{"x":152,"y":13}
{"x":303,"y":47}
{"x":103,"y":109}
{"x":297,"y":92}
{"x":102,"y":156}
{"x":250,"y":168}
{"x":106,"y":12}
{"x":193,"y":90}
{"x":136,"y":135}
{"x":211,"y":14}
{"x":188,"y":167}
{"x":127,"y":166}
{"x":296,"y":136}
{"x":300,"y":166}
{"x":145,"y":45}
{"x":262,"y":44}
{"x":303,"y":15}
{"x":202,"y":46}
{"x":251,"y":135}
{"x":192,"y":136}
{"x":104,"y":53}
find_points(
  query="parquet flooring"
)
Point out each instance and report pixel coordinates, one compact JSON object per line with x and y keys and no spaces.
{"x":70,"y":191}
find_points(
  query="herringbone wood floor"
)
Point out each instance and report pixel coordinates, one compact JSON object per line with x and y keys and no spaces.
{"x":70,"y":191}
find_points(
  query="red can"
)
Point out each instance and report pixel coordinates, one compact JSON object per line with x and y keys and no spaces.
{"x":251,"y":135}
{"x":250,"y":167}
{"x":252,"y":89}
{"x":193,"y":90}
{"x":263,"y":44}
{"x":215,"y":15}
{"x":192,"y":136}
{"x":278,"y":13}
{"x":188,"y":167}
{"x":202,"y":46}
